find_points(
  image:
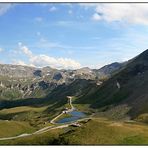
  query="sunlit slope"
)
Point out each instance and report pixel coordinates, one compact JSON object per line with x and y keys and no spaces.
{"x":100,"y":131}
{"x":14,"y":128}
{"x":96,"y":131}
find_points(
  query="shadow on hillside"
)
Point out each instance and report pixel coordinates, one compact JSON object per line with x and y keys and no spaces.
{"x":56,"y":98}
{"x":10,"y":116}
{"x":34,"y":102}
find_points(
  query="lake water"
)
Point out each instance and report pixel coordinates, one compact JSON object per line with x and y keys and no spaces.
{"x":75,"y":116}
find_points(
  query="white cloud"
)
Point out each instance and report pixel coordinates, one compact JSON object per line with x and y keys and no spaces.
{"x":20,"y":62}
{"x":25,"y":50}
{"x":4,"y":8}
{"x":52,"y":9}
{"x":96,"y":17}
{"x":38,"y":19}
{"x":1,"y":49}
{"x":129,"y":13}
{"x":42,"y":60}
{"x":125,"y":12}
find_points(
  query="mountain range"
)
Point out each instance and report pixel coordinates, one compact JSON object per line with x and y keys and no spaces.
{"x":116,"y":92}
{"x":114,"y":87}
{"x":18,"y":81}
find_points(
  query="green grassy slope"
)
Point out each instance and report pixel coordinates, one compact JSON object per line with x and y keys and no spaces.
{"x":14,"y":128}
{"x":38,"y":111}
{"x":101,"y":131}
{"x":133,"y":80}
{"x":97,"y":131}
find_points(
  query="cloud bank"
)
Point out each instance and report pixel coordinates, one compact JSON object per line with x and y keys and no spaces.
{"x":42,"y":60}
{"x":121,"y":12}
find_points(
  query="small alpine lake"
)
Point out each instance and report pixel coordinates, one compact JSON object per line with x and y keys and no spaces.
{"x":75,"y":115}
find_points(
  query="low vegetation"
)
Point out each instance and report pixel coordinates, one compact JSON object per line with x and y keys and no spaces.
{"x":96,"y":131}
{"x":103,"y":131}
{"x":47,"y":138}
{"x":14,"y":128}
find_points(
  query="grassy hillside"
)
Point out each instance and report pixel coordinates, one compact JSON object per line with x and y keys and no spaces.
{"x":124,"y":96}
{"x":97,"y":131}
{"x":47,"y":138}
{"x":39,"y":111}
{"x":102,"y":131}
{"x":133,"y":80}
{"x":14,"y":128}
{"x":34,"y":116}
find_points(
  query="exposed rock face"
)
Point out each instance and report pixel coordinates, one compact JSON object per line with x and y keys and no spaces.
{"x":16,"y":70}
{"x":43,"y":84}
{"x":24,"y":81}
{"x":107,"y":70}
{"x":38,"y":73}
{"x":57,"y":76}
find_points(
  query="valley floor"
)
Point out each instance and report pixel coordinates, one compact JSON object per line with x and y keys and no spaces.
{"x":94,"y":131}
{"x":90,"y":130}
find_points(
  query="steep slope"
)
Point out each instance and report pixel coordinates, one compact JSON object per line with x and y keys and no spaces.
{"x":125,"y":92}
{"x":110,"y":69}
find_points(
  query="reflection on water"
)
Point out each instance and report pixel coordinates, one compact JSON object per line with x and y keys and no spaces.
{"x":75,"y":116}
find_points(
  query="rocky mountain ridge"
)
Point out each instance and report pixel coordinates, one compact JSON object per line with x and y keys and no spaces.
{"x":18,"y":81}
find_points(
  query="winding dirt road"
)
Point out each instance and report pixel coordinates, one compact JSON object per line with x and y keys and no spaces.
{"x":48,"y":128}
{"x":43,"y":130}
{"x":63,"y":112}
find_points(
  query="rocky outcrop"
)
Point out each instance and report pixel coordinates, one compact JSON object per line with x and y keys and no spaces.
{"x":34,"y":82}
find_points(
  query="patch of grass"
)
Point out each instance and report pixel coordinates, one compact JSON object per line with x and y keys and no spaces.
{"x":84,"y":108}
{"x":142,"y":118}
{"x":33,"y":115}
{"x":47,"y":138}
{"x":116,"y":113}
{"x":95,"y":131}
{"x":100,"y":131}
{"x":22,"y":109}
{"x":13,"y":128}
{"x":137,"y":139}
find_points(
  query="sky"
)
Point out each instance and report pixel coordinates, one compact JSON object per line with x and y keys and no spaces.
{"x":72,"y":35}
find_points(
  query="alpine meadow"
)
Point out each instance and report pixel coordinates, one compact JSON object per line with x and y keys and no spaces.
{"x":73,"y":74}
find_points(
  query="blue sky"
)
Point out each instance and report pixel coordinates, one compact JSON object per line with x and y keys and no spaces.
{"x":66,"y":35}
